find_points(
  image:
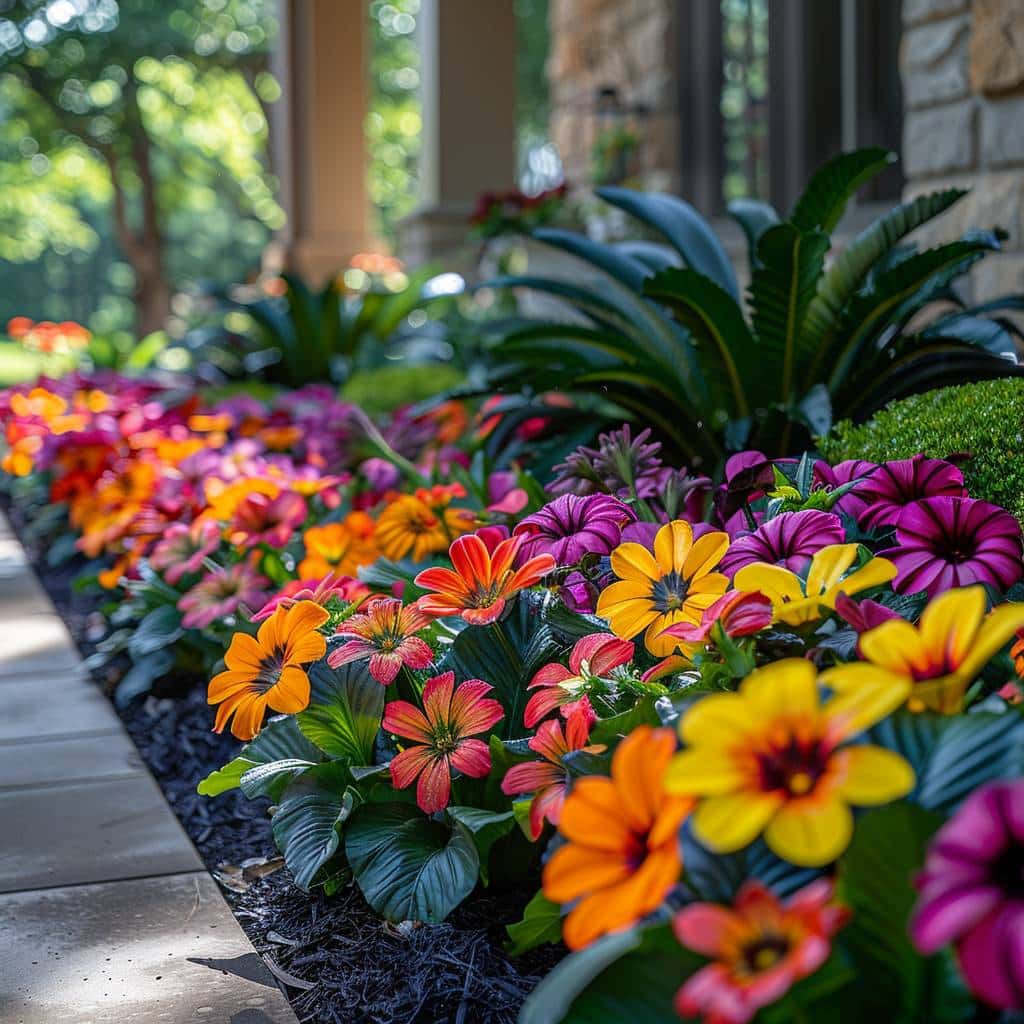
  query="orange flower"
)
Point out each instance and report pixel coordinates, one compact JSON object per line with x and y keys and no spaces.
{"x":338,"y":548}
{"x":266,"y":670}
{"x":481,"y":582}
{"x":409,"y":525}
{"x":622,"y":856}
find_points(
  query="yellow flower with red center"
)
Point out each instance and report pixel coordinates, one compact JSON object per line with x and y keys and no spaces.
{"x":420,"y":524}
{"x":338,"y":548}
{"x":674,"y":584}
{"x":622,"y":855}
{"x":774,"y":759}
{"x":933,"y":663}
{"x":799,"y":601}
{"x":266,"y":670}
{"x":223,"y":499}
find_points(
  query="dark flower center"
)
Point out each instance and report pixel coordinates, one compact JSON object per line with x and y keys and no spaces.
{"x":956,"y":548}
{"x":764,"y":953}
{"x":794,"y":768}
{"x":270,"y":670}
{"x":1007,"y":871}
{"x":669,"y":593}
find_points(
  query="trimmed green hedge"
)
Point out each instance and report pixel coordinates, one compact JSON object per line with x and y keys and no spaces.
{"x":384,"y":388}
{"x":984,"y":420}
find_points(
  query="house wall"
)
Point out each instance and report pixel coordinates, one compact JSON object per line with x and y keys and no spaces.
{"x":962,"y":63}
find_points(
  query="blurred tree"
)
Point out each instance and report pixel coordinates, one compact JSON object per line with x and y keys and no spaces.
{"x":149,"y":109}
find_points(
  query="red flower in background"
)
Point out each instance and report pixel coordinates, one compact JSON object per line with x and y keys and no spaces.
{"x":738,"y":612}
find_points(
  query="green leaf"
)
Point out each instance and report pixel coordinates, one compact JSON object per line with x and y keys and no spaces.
{"x":408,"y":866}
{"x":486,"y":828}
{"x":681,"y":225}
{"x":158,"y":629}
{"x":541,"y":925}
{"x":824,"y":199}
{"x":278,"y":740}
{"x":140,"y":677}
{"x":345,"y":711}
{"x":307,"y":825}
{"x":876,"y":882}
{"x":611,"y":730}
{"x":781,"y":289}
{"x":255,"y":780}
{"x":629,"y":976}
{"x":145,"y":351}
{"x":716,"y":321}
{"x":754,"y":217}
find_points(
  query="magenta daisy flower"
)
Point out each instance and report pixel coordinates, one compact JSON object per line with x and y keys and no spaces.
{"x":790,"y":540}
{"x":183,"y":548}
{"x":971,"y":893}
{"x":221,"y":593}
{"x":573,"y":526}
{"x":947,"y":542}
{"x":385,"y":635}
{"x":894,"y":485}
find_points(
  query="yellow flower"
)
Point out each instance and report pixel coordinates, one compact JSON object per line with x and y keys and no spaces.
{"x":675,"y":584}
{"x":935,"y":661}
{"x":772,"y":758}
{"x":411,"y":526}
{"x":797,"y":601}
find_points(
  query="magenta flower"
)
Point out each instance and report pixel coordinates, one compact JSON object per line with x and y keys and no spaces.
{"x":864,"y":615}
{"x":972,"y":893}
{"x":183,"y":547}
{"x":833,"y":477}
{"x":947,"y":542}
{"x":894,"y":485}
{"x":573,"y":526}
{"x":221,"y":593}
{"x":260,"y":519}
{"x":747,"y":476}
{"x":345,"y":589}
{"x":739,"y":613}
{"x":790,"y":540}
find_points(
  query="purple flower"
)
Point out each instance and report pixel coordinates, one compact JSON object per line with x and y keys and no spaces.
{"x":947,"y":542}
{"x":972,"y":893}
{"x":380,"y":474}
{"x":862,"y":616}
{"x":618,"y":461}
{"x":854,"y":501}
{"x":573,"y":526}
{"x":894,"y":485}
{"x":791,"y":539}
{"x":747,"y":476}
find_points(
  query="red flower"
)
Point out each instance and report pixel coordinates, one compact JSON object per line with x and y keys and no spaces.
{"x":592,"y":659}
{"x":738,"y":613}
{"x":760,"y":947}
{"x":548,"y":780}
{"x":481,"y":581}
{"x":385,"y":634}
{"x":442,"y":734}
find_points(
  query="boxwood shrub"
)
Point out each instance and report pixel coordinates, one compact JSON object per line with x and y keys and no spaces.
{"x":984,"y":421}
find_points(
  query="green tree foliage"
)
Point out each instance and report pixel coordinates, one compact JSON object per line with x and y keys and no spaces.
{"x":140,"y":122}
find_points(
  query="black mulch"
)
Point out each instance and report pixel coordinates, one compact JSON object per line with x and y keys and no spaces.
{"x":362,"y":971}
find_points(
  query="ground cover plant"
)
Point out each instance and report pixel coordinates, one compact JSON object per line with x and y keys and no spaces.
{"x":755,"y":743}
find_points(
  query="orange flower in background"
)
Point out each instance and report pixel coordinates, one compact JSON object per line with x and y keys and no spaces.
{"x":223,"y":499}
{"x":1017,"y":653}
{"x":480,"y":582}
{"x":20,"y":458}
{"x":280,"y":437}
{"x":266,"y":671}
{"x":338,"y":548}
{"x":420,"y":524}
{"x":622,"y":856}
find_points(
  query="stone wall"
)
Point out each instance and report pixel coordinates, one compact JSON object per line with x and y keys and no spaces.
{"x":963,"y":76}
{"x":628,"y":45}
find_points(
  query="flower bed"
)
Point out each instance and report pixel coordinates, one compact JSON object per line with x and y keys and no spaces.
{"x":749,"y":747}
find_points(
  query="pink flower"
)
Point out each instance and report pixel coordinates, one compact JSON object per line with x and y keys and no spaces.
{"x":894,"y":485}
{"x":345,"y":589}
{"x":548,"y":780}
{"x":790,"y":540}
{"x":593,"y":657}
{"x":971,"y":893}
{"x":833,"y":477}
{"x":739,"y":613}
{"x":947,"y":542}
{"x":183,"y":549}
{"x":385,"y":634}
{"x":260,"y":519}
{"x":573,"y":526}
{"x":442,"y":735}
{"x":863,"y":615}
{"x":222,"y":593}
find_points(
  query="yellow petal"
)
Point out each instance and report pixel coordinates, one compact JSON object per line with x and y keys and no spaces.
{"x":871,"y":574}
{"x":787,"y":687}
{"x":705,"y":554}
{"x":773,"y":581}
{"x":863,"y":695}
{"x":949,"y":623}
{"x":895,"y":645}
{"x":631,"y":561}
{"x":704,"y":773}
{"x":730,"y":822}
{"x":810,"y":832}
{"x":871,"y":775}
{"x":672,"y":544}
{"x":997,"y":629}
{"x":828,"y":566}
{"x":719,"y":720}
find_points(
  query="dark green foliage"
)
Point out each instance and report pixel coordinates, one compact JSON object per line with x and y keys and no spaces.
{"x":983,"y":420}
{"x":659,"y":329}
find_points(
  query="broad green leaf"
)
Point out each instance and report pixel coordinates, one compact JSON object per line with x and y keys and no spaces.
{"x":681,"y":225}
{"x":876,"y":882}
{"x":345,"y":710}
{"x":541,"y":925}
{"x":145,"y":670}
{"x":754,"y":217}
{"x":158,"y":629}
{"x":255,"y":780}
{"x":408,"y":866}
{"x":486,"y":828}
{"x":309,"y":818}
{"x":831,"y":187}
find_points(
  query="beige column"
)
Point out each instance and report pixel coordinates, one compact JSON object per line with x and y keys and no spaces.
{"x":468,"y":89}
{"x":318,"y":137}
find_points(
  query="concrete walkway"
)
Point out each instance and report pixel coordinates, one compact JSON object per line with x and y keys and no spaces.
{"x":107,"y":915}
